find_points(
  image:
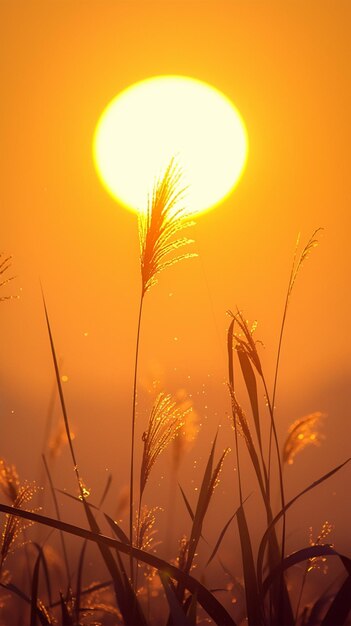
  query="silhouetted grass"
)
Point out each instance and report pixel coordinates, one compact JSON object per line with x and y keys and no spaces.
{"x":269,"y":598}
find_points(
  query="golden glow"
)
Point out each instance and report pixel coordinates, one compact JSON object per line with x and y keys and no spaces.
{"x":152,"y":121}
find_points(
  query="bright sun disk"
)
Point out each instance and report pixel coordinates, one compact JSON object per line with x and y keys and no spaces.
{"x":163,"y":117}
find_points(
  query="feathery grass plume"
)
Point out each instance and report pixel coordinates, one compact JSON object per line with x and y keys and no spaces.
{"x":165,"y":216}
{"x":9,"y":481}
{"x":312,"y":243}
{"x":303,"y":432}
{"x":319,"y":562}
{"x":165,"y":422}
{"x":13,"y":525}
{"x":296,"y":266}
{"x":145,"y":531}
{"x":5,"y":264}
{"x":315,"y":562}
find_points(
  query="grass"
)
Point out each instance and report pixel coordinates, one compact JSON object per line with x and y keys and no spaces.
{"x":171,"y":592}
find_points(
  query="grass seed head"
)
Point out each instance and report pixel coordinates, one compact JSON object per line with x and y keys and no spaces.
{"x":166,"y":420}
{"x":164,"y":218}
{"x":144,"y":529}
{"x":13,"y":526}
{"x":9,"y":481}
{"x":303,"y":432}
{"x":5,"y":264}
{"x":319,"y":562}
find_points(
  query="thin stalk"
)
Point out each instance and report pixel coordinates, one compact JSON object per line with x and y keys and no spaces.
{"x":62,"y":401}
{"x":280,"y":343}
{"x":231,"y":383}
{"x":300,"y":594}
{"x":312,"y":242}
{"x":131,"y":491}
{"x":237,"y":457}
{"x":280,"y":470}
{"x":64,"y":551}
{"x":281,"y":484}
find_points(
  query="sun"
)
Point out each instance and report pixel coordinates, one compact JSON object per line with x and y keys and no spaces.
{"x":163,"y":117}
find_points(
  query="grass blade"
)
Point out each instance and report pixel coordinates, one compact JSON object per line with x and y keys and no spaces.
{"x":221,"y":537}
{"x":251,"y":386}
{"x":57,"y":511}
{"x":120,"y":534}
{"x":187,"y":504}
{"x":201,"y":508}
{"x":66,"y":616}
{"x":253,"y":600}
{"x":178,"y":616}
{"x":304,"y":555}
{"x":207,"y":600}
{"x":340,"y":607}
{"x":34,"y":591}
{"x":230,"y":340}
{"x":265,"y":538}
{"x":79,"y":579}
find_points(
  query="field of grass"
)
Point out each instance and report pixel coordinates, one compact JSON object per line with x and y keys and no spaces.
{"x":139,"y":587}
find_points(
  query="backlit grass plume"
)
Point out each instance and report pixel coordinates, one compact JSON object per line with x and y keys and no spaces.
{"x":5,"y":264}
{"x":166,"y":420}
{"x":302,"y":433}
{"x":145,"y":530}
{"x":13,"y":526}
{"x":9,"y":481}
{"x":164,"y":218}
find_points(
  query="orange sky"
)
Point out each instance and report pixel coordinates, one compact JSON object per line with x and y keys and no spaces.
{"x":285,"y":65}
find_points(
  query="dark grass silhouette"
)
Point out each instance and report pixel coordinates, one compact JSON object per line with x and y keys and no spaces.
{"x":170,"y":592}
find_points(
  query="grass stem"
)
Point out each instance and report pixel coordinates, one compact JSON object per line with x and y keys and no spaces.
{"x":131,"y":490}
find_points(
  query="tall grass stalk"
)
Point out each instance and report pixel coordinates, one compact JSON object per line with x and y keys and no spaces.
{"x":296,"y":266}
{"x":165,"y":217}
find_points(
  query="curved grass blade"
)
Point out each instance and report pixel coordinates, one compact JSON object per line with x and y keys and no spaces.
{"x":79,"y":579}
{"x":340,"y":607}
{"x":253,"y":600}
{"x":46,"y":571}
{"x":304,"y":555}
{"x":178,"y":617}
{"x":201,"y":508}
{"x":209,"y":603}
{"x":230,"y":341}
{"x":119,"y":532}
{"x":105,"y":491}
{"x":34,"y":591}
{"x":221,"y":536}
{"x":251,"y":386}
{"x":126,"y":597}
{"x":187,"y":504}
{"x":66,"y":617}
{"x":270,"y":529}
{"x":57,"y":510}
{"x":192,"y":610}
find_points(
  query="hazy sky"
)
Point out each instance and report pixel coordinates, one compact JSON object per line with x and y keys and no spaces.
{"x":285,"y":65}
